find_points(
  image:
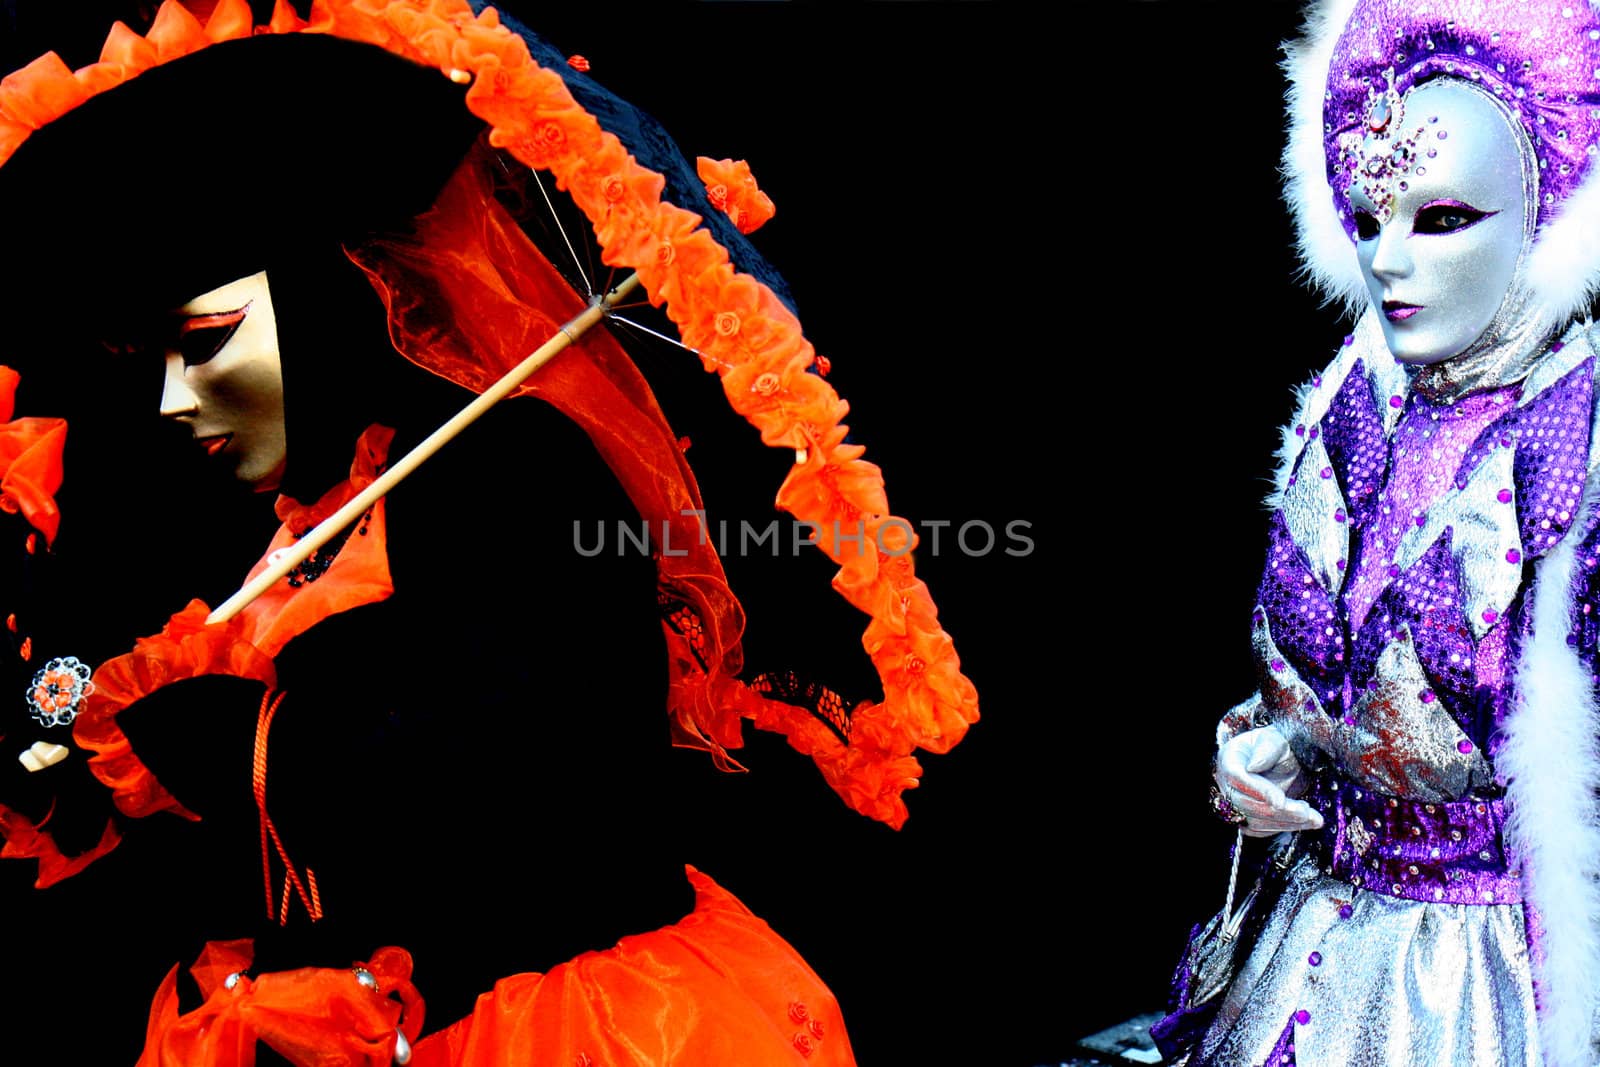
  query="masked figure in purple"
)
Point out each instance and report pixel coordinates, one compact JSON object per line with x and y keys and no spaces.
{"x":1426,"y":627}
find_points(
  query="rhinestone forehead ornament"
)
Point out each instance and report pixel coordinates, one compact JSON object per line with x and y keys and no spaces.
{"x":1540,"y":59}
{"x":1380,"y":153}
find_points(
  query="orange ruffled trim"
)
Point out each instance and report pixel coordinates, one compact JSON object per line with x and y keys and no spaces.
{"x":740,"y":329}
{"x":244,"y":646}
{"x":732,"y":190}
{"x":185,"y":648}
{"x":30,"y":462}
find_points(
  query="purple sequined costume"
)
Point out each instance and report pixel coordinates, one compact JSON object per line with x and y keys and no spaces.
{"x":1394,"y":630}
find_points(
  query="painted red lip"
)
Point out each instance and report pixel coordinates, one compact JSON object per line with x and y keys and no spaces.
{"x":214,"y":445}
{"x":1399,"y":310}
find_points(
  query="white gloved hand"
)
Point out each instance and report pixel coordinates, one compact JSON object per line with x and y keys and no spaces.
{"x":1259,"y":776}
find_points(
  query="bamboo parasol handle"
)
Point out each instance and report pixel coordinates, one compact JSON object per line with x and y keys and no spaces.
{"x":357,"y":506}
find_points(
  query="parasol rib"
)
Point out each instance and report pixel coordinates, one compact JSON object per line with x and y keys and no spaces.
{"x":357,"y":506}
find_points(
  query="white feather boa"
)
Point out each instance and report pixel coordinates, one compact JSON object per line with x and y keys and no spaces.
{"x":1563,"y":268}
{"x":1553,"y":767}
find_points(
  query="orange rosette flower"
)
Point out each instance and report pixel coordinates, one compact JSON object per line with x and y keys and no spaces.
{"x":724,"y":300}
{"x":652,"y":248}
{"x":733,"y":319}
{"x":834,"y":480}
{"x":185,"y":648}
{"x":777,"y":395}
{"x":622,"y":224}
{"x":506,"y":104}
{"x":503,"y":73}
{"x":895,"y":597}
{"x":695,"y":257}
{"x":923,"y":684}
{"x":732,"y":189}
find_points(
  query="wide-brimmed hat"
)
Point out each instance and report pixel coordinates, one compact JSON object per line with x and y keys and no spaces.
{"x":210,"y":167}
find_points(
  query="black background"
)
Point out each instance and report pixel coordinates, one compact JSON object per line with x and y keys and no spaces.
{"x":1052,"y":271}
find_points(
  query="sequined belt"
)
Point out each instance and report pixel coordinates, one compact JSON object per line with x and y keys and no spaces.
{"x":1436,"y":852}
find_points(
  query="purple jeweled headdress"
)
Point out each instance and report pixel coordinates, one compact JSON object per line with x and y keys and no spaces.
{"x":1358,"y":58}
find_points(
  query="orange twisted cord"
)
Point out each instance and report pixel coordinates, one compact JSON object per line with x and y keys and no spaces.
{"x":258,"y":781}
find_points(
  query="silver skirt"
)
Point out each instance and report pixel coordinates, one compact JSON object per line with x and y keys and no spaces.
{"x":1398,"y":982}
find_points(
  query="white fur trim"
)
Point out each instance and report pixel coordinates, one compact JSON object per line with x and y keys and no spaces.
{"x":1328,"y":255}
{"x":1553,"y":767}
{"x":1564,"y":266}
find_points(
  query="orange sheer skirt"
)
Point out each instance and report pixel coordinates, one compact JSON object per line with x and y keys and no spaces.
{"x":717,"y":987}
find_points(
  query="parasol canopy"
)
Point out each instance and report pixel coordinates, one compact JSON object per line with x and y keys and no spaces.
{"x":739,"y":325}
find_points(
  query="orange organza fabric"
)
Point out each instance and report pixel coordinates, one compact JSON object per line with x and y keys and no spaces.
{"x":315,"y":1017}
{"x":30,"y":462}
{"x":244,"y":646}
{"x":469,"y":297}
{"x":717,"y":987}
{"x":360,"y":574}
{"x":25,"y":839}
{"x":739,"y":328}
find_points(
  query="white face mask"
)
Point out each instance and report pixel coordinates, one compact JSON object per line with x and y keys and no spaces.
{"x":224,"y":379}
{"x":1440,"y":265}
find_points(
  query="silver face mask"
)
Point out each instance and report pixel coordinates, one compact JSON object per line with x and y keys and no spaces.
{"x":1442,"y":241}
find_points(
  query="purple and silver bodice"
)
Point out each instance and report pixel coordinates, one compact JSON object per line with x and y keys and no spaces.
{"x":1394,"y":638}
{"x":1391,"y":611}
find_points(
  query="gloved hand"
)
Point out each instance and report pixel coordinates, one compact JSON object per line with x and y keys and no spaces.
{"x":1259,"y":776}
